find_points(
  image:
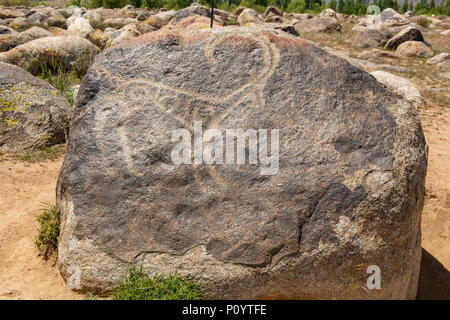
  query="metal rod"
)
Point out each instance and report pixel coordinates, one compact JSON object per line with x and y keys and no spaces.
{"x":212,"y":12}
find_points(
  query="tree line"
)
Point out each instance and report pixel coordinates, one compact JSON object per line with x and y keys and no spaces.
{"x":357,"y":7}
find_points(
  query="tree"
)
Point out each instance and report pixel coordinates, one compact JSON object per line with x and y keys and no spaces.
{"x":395,"y":5}
{"x":332,"y":5}
{"x":405,"y":6}
{"x":297,"y":6}
{"x":432,"y":7}
{"x":341,"y":6}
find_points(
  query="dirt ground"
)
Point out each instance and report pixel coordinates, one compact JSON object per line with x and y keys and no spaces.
{"x":25,"y":186}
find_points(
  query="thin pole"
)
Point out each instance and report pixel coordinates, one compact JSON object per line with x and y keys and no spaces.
{"x":212,"y":12}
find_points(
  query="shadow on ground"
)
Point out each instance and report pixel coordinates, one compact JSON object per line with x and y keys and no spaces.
{"x":434,"y":279}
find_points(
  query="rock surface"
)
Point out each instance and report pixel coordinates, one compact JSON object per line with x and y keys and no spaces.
{"x":80,"y":27}
{"x":407,"y":34}
{"x":9,"y":41}
{"x":348,"y":193}
{"x":65,"y":50}
{"x":400,"y":85}
{"x":318,"y":24}
{"x":439,"y":58}
{"x":248,"y":16}
{"x":371,"y":38}
{"x":414,"y":49}
{"x":33,"y":114}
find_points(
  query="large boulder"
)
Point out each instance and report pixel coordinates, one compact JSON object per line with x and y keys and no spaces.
{"x":192,"y":10}
{"x":390,"y":14}
{"x":248,"y":16}
{"x":407,"y":34}
{"x":400,"y":85}
{"x":80,"y":27}
{"x":9,"y":41}
{"x":161,"y":19}
{"x":371,"y":38}
{"x":126,"y":33}
{"x":63,"y":51}
{"x":414,"y":49}
{"x":344,"y":190}
{"x":33,"y":114}
{"x":318,"y":24}
{"x":439,"y":59}
{"x":56,"y":20}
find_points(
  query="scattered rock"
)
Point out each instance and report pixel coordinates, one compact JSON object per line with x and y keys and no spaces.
{"x":118,"y":22}
{"x":400,"y":85}
{"x":58,"y":32}
{"x":349,"y":190}
{"x":374,"y":55}
{"x":36,"y":18}
{"x":192,"y":10}
{"x":9,"y":41}
{"x":33,"y":114}
{"x":414,"y":49}
{"x":318,"y":24}
{"x":80,"y":27}
{"x":441,"y":57}
{"x":391,"y":14}
{"x":61,"y":50}
{"x":328,"y":13}
{"x":99,"y":38}
{"x":407,"y":34}
{"x":126,"y":33}
{"x":56,"y":20}
{"x":371,"y":38}
{"x":274,"y":11}
{"x":161,"y":19}
{"x":248,"y":16}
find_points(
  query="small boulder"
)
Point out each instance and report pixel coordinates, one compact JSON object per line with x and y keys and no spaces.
{"x":318,"y":24}
{"x":62,"y":50}
{"x":391,"y":14}
{"x":328,"y":13}
{"x":99,"y":38}
{"x":56,"y":19}
{"x":407,"y":34}
{"x":274,"y":11}
{"x":441,"y":57}
{"x":371,"y":38}
{"x":15,"y":39}
{"x":192,"y":10}
{"x":33,"y":114}
{"x":400,"y":85}
{"x":126,"y":33}
{"x":80,"y":27}
{"x":414,"y":49}
{"x":248,"y":16}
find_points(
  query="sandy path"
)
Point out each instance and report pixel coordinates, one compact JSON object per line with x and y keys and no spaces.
{"x":435,"y":274}
{"x":23,"y":274}
{"x":23,"y":188}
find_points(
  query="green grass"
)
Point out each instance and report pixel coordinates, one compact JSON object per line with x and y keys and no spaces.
{"x":47,"y":153}
{"x":90,"y":296}
{"x":138,"y":285}
{"x":48,"y":233}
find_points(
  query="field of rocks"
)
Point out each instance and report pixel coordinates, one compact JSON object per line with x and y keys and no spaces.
{"x":58,"y":63}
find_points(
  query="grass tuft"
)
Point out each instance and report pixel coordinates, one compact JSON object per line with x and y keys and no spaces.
{"x":138,"y":285}
{"x":48,"y":233}
{"x":47,"y":153}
